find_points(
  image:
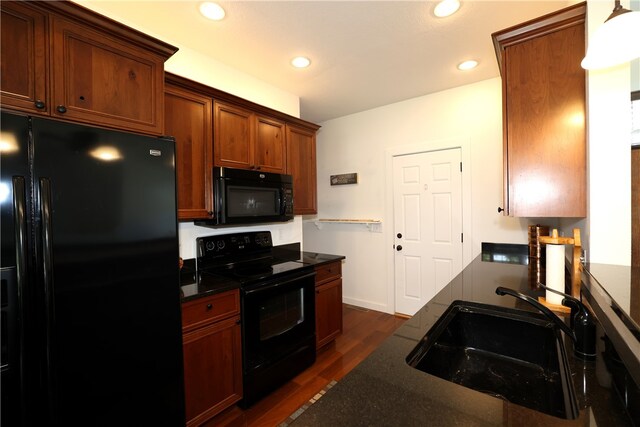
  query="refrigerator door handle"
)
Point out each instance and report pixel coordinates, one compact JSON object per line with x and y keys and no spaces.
{"x":47,"y":264}
{"x":20,"y":227}
{"x":20,"y":219}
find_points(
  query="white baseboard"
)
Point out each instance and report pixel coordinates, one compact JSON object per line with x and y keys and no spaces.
{"x":367,"y":304}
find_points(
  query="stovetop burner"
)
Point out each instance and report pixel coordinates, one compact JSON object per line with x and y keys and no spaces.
{"x":246,"y":257}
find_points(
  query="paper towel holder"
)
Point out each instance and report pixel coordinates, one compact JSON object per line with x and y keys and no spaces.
{"x":576,"y":265}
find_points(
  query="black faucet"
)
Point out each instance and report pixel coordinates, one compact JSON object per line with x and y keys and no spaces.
{"x":548,"y":313}
{"x":582,"y":330}
{"x":581,"y":321}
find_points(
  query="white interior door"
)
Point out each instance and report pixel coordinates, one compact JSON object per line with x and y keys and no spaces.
{"x":427,"y":199}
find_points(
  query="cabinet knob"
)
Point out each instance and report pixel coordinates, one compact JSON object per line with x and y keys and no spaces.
{"x":399,"y":235}
{"x":500,"y":209}
{"x":40,"y":104}
{"x":209,"y":306}
{"x":61,"y":109}
{"x":399,"y":248}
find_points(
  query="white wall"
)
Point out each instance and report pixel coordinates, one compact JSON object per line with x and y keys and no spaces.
{"x":468,"y":116}
{"x":195,"y":66}
{"x":609,"y":139}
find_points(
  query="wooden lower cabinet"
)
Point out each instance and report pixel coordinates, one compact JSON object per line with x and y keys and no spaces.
{"x":328,"y":303}
{"x":212,"y":348}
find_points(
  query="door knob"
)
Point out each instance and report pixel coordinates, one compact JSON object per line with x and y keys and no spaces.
{"x":399,"y":248}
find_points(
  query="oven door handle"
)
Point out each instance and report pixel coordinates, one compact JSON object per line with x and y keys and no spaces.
{"x":279,"y":284}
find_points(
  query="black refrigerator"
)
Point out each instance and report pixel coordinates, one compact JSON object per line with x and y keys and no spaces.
{"x":91,"y":328}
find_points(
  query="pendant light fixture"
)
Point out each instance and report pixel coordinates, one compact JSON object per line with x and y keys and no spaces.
{"x":616,"y":41}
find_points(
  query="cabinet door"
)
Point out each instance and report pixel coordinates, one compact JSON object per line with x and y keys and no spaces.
{"x":212,"y":369}
{"x":270,"y":148}
{"x":99,"y":79}
{"x":188,"y":118}
{"x":24,"y":70}
{"x":328,"y":312}
{"x":545,"y":140}
{"x":232,"y":136}
{"x":301,"y":164}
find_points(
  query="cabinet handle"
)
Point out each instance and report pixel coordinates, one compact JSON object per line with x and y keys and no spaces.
{"x":40,"y":104}
{"x":209,"y":306}
{"x":500,"y":209}
{"x":61,"y":109}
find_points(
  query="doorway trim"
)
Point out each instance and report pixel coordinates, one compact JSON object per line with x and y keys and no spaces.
{"x":464,"y":145}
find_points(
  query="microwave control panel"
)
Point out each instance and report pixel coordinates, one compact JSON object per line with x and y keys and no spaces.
{"x":288,"y":201}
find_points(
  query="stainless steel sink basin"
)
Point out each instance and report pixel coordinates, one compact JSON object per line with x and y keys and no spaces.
{"x":511,"y":354}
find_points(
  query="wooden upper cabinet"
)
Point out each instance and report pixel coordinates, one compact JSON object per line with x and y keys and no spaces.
{"x":301,"y":164}
{"x":99,"y":79}
{"x":246,"y":140}
{"x":270,"y":148}
{"x":544,"y":113}
{"x":232,"y":135}
{"x":24,"y":70}
{"x":63,"y":60}
{"x":188,"y":118}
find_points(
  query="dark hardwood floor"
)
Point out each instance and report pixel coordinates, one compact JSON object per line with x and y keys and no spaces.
{"x":363,"y":331}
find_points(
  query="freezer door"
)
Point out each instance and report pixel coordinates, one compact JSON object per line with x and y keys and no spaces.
{"x":108,"y":257}
{"x":16,"y":295}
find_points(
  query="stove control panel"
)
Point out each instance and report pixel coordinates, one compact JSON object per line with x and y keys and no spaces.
{"x":233,"y":244}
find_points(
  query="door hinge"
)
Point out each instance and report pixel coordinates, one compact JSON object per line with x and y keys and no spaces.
{"x":460,"y":166}
{"x":462,"y":237}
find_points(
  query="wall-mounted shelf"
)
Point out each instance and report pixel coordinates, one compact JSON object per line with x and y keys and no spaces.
{"x":373,"y":225}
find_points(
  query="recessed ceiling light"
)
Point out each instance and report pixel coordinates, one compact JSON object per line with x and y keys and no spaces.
{"x":212,"y":11}
{"x":467,"y":65}
{"x":300,"y":62}
{"x":446,"y":8}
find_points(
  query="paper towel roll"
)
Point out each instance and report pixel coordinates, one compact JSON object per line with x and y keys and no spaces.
{"x":555,"y":273}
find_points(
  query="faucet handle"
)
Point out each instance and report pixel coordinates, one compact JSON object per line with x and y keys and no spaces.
{"x":582,"y":324}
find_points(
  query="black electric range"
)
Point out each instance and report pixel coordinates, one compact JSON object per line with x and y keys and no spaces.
{"x":277,"y":297}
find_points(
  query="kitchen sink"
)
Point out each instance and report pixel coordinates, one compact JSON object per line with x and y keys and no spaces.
{"x":510,"y":354}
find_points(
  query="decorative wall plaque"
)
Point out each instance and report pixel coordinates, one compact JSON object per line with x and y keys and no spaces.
{"x":345,"y":178}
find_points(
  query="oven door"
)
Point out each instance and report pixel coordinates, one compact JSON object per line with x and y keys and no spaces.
{"x":278,"y":316}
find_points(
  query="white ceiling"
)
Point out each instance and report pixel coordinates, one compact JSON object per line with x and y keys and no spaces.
{"x":364,"y":54}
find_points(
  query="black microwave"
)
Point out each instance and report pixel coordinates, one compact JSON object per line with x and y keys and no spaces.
{"x":249,"y":197}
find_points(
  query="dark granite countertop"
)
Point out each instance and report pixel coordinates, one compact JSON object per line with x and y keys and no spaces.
{"x":384,"y":391}
{"x":316,"y":259}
